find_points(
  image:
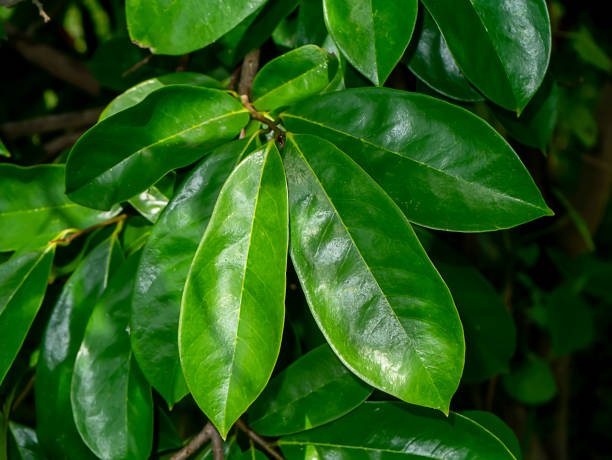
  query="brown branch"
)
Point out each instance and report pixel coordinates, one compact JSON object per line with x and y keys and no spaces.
{"x":183,"y":63}
{"x":217,"y":445}
{"x":41,"y":10}
{"x":49,"y":123}
{"x":265,"y":445}
{"x":255,"y":115}
{"x":137,"y":66}
{"x":56,"y":63}
{"x":197,"y":442}
{"x":75,"y":235}
{"x":250,"y":64}
{"x":61,"y":143}
{"x":19,"y":399}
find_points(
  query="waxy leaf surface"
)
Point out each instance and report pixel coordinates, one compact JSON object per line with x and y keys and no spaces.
{"x":179,"y":27}
{"x":126,"y":153}
{"x":164,"y":265}
{"x":232,"y":310}
{"x":377,"y":298}
{"x":26,"y":445}
{"x":502,"y":47}
{"x":316,"y":389}
{"x":23,"y":283}
{"x":65,"y":330}
{"x":387,"y":430}
{"x":33,"y":204}
{"x":445,"y":167}
{"x":372,"y":34}
{"x":111,"y":400}
{"x":294,"y":76}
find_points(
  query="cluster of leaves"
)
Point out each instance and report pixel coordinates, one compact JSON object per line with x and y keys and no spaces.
{"x":168,"y":244}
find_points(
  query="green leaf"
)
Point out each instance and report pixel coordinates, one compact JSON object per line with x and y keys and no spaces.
{"x":111,"y":400}
{"x":498,"y":428}
{"x":503,"y":47}
{"x":589,"y":51}
{"x":3,"y":150}
{"x":33,"y":206}
{"x":445,"y":167}
{"x":292,"y":77}
{"x":164,"y":265}
{"x":26,"y":443}
{"x":252,"y":454}
{"x":125,"y":154}
{"x":531,"y":382}
{"x":64,"y":333}
{"x":372,"y":34}
{"x":184,"y":26}
{"x":377,"y":298}
{"x":310,"y":23}
{"x":166,"y":436}
{"x":232,"y":310}
{"x":312,"y":391}
{"x":535,"y":126}
{"x":23,"y":283}
{"x":149,"y":203}
{"x":137,"y":93}
{"x":431,"y":62}
{"x":387,"y":430}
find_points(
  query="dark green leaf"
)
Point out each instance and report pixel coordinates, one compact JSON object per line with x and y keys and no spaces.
{"x":532,"y":382}
{"x":589,"y":51}
{"x":184,"y":26}
{"x":164,"y":265}
{"x":125,"y":154}
{"x":377,"y":298}
{"x":232,"y":309}
{"x":372,"y":34}
{"x":26,"y":443}
{"x":61,"y":342}
{"x":149,"y":203}
{"x":497,"y":427}
{"x":252,"y":454}
{"x":23,"y":283}
{"x":310,"y":23}
{"x":386,"y":430}
{"x":314,"y":390}
{"x":503,"y":47}
{"x":445,"y":167}
{"x":111,"y":400}
{"x":33,"y":205}
{"x":292,"y":77}
{"x":166,"y":436}
{"x":137,"y":93}
{"x":432,"y":62}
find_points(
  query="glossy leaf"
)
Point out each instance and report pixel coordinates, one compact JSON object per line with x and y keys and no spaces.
{"x":502,"y":47}
{"x":292,"y":77}
{"x":23,"y":283}
{"x":314,"y":390}
{"x":498,"y":428}
{"x":372,"y":34}
{"x":65,"y":329}
{"x":232,"y":310}
{"x":164,"y":265}
{"x":445,"y":167}
{"x":310,"y":23}
{"x":33,"y":206}
{"x":185,"y":26}
{"x":137,"y":93}
{"x":111,"y":400}
{"x":252,"y":454}
{"x":531,"y":382}
{"x":149,"y":203}
{"x":26,"y":443}
{"x":432,"y":62}
{"x":377,"y":298}
{"x":387,"y":430}
{"x":125,"y":154}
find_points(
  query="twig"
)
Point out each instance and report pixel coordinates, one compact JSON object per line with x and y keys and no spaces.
{"x":183,"y":62}
{"x":75,"y":235}
{"x":49,"y":123}
{"x":255,"y":115}
{"x":41,"y":10}
{"x":217,"y":445}
{"x":137,"y":66}
{"x":19,"y":399}
{"x":61,"y":143}
{"x":265,"y":445}
{"x":250,"y":64}
{"x":197,"y":442}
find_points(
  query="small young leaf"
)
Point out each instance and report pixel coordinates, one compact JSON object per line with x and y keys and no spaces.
{"x":387,"y":430}
{"x":33,"y":206}
{"x":372,"y":34}
{"x":111,"y":400}
{"x":125,"y":154}
{"x":377,"y":298}
{"x":294,"y":76}
{"x":314,"y":390}
{"x":65,"y":329}
{"x":149,"y":203}
{"x":3,"y":150}
{"x":164,"y":265}
{"x":502,"y":47}
{"x":445,"y":167}
{"x":232,"y":310}
{"x":23,"y":283}
{"x":532,"y":382}
{"x":27,"y":446}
